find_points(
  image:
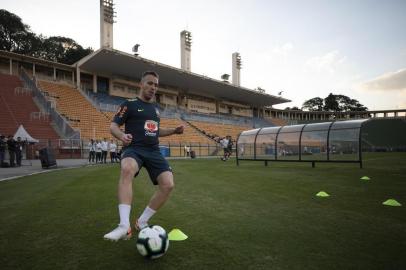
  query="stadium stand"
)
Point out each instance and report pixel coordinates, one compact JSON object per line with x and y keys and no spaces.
{"x":18,"y":108}
{"x":77,"y":110}
{"x":279,"y":121}
{"x":105,"y":102}
{"x":218,"y":130}
{"x":190,"y":135}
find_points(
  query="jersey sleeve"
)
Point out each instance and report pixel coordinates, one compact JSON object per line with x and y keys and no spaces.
{"x":122,"y":113}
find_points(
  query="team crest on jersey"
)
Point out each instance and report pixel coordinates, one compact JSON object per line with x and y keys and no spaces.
{"x":151,"y":128}
{"x":121,"y":111}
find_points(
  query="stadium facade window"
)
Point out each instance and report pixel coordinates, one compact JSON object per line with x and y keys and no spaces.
{"x":337,"y":141}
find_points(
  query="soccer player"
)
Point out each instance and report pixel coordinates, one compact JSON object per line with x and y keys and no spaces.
{"x":141,"y":119}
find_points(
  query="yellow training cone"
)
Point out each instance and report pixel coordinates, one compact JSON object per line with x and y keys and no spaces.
{"x":392,"y":202}
{"x":322,"y":194}
{"x":177,"y":235}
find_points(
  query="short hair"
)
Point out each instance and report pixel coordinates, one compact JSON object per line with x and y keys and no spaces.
{"x":149,"y":72}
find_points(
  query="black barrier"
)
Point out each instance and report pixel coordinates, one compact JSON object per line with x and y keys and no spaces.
{"x":47,"y":158}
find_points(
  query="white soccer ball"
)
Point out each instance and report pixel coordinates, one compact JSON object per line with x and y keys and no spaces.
{"x":152,"y":242}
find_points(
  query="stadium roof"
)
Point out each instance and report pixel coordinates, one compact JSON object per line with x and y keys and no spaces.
{"x":113,"y":62}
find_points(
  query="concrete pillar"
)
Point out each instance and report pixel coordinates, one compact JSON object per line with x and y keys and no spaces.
{"x":77,"y":77}
{"x":11,"y":66}
{"x":106,"y":23}
{"x":396,"y":114}
{"x":54,"y":74}
{"x":73,"y":77}
{"x":33,"y":70}
{"x":185,"y":50}
{"x":94,"y":83}
{"x":236,"y":67}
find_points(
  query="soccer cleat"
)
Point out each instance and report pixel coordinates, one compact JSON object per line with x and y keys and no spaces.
{"x":138,"y":227}
{"x":121,"y":232}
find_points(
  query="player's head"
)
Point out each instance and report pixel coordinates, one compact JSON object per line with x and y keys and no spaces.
{"x":148,"y":85}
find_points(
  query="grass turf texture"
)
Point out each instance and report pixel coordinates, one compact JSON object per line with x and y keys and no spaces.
{"x":247,"y":217}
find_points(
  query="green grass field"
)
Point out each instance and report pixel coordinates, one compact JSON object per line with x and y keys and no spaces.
{"x":246,"y":217}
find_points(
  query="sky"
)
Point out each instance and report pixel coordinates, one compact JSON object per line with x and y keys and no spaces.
{"x":306,"y":49}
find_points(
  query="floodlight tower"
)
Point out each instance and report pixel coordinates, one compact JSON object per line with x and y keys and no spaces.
{"x":185,"y":50}
{"x":236,"y":68}
{"x":107,"y":15}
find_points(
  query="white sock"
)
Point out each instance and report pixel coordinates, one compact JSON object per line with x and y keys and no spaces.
{"x":124,"y":210}
{"x":146,"y":215}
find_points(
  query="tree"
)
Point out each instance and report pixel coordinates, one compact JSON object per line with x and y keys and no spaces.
{"x":334,"y":103}
{"x":12,"y":30}
{"x":74,"y":55}
{"x":314,"y":104}
{"x":16,"y":37}
{"x":64,"y":50}
{"x":331,"y":103}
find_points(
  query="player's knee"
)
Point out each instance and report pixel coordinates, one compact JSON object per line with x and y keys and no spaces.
{"x":166,"y":183}
{"x":127,"y":169}
{"x":169,"y":186}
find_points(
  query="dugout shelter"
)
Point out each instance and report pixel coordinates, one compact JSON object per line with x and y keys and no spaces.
{"x":336,"y":141}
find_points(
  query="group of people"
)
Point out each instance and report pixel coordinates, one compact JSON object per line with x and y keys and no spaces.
{"x":98,"y":150}
{"x":14,"y":149}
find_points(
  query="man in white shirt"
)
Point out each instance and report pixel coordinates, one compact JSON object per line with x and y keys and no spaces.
{"x":104,"y":148}
{"x":98,"y":151}
{"x":113,"y":150}
{"x":92,"y":150}
{"x":224,"y":144}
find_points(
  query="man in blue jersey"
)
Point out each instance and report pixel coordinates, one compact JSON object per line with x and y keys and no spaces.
{"x":141,"y":119}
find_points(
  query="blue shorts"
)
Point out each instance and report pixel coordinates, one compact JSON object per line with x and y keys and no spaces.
{"x":150,"y":158}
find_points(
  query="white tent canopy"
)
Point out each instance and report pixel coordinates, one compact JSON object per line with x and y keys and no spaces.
{"x":21,"y":132}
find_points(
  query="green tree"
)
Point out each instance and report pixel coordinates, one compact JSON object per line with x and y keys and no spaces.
{"x":334,"y":103}
{"x":16,"y":37}
{"x":12,"y":31}
{"x":331,"y":103}
{"x":314,"y":104}
{"x":64,"y":50}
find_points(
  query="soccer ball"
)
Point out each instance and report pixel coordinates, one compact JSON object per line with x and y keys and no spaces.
{"x":152,"y":242}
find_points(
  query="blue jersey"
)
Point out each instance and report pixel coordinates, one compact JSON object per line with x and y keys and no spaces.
{"x":141,"y":120}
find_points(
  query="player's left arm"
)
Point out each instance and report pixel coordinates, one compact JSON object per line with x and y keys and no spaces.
{"x":170,"y":131}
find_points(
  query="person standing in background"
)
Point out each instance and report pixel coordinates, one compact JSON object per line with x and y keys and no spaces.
{"x":98,"y":151}
{"x":3,"y":146}
{"x":19,"y":150}
{"x":11,"y":145}
{"x":92,"y":150}
{"x":113,"y":149}
{"x":104,"y":148}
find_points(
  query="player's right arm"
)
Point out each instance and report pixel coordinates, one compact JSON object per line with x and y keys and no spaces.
{"x":119,"y":134}
{"x":118,"y":120}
